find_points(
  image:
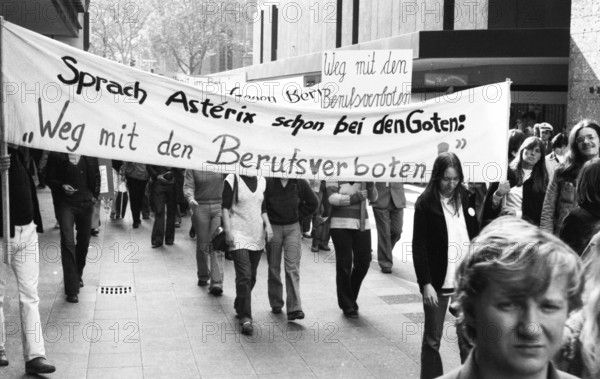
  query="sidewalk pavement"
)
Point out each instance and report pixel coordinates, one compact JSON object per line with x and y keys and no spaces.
{"x":160,"y":324}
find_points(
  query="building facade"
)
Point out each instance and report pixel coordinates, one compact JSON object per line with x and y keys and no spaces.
{"x":66,"y":21}
{"x":584,"y":62}
{"x":457,"y":44}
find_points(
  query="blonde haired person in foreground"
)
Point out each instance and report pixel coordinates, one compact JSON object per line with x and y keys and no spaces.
{"x":513,"y":295}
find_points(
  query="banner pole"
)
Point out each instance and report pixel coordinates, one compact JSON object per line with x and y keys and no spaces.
{"x":506,"y":163}
{"x":4,"y":152}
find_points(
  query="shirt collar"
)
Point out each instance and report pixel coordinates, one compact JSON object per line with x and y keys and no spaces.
{"x":469,"y":369}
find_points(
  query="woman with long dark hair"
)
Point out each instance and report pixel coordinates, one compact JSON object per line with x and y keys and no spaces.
{"x":522,"y":194}
{"x":444,"y":225}
{"x":580,"y":224}
{"x":560,"y":195}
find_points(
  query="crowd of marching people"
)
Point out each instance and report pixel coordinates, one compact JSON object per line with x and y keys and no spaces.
{"x":522,"y":276}
{"x":518,"y":266}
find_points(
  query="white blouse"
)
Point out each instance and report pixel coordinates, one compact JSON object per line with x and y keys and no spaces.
{"x":458,"y":239}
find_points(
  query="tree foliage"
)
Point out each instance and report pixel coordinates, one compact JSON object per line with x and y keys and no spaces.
{"x":116,"y":28}
{"x":188,"y":30}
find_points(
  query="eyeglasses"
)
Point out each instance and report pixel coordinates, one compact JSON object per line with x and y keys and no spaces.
{"x":582,"y":139}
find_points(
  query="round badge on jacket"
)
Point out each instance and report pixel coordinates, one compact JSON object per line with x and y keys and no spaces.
{"x":471,"y":211}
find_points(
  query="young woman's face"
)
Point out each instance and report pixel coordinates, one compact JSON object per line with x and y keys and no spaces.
{"x":449,"y":182}
{"x":587,"y":142}
{"x":530,"y":157}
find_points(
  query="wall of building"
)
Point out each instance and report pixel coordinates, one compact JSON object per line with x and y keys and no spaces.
{"x":508,"y":14}
{"x":584,"y":62}
{"x":76,"y":42}
{"x":309,"y":26}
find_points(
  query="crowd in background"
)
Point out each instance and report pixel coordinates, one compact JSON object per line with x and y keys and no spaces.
{"x":549,"y":205}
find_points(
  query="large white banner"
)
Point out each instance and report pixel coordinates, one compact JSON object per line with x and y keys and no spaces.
{"x":367,"y":78}
{"x":62,"y":99}
{"x":282,"y":91}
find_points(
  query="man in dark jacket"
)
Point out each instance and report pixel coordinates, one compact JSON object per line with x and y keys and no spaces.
{"x":288,"y":201}
{"x":78,"y":179}
{"x":24,"y":254}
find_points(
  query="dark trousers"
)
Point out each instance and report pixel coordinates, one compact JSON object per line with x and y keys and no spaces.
{"x":136,"y":188}
{"x":56,"y":196}
{"x":352,"y":260}
{"x":305,"y":224}
{"x":146,"y":206}
{"x":320,"y":228}
{"x":245,"y":263}
{"x":163,"y":195}
{"x":389,"y":229}
{"x":433,"y":329}
{"x":74,"y":249}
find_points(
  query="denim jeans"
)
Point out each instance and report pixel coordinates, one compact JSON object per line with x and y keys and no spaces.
{"x":74,"y":249}
{"x":352,"y":260}
{"x":431,"y":361}
{"x":25,"y":262}
{"x":206,"y":219}
{"x":286,"y":239}
{"x":245,"y":263}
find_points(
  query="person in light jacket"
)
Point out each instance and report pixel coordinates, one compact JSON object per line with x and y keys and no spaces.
{"x":561,"y":193}
{"x":247,"y":230}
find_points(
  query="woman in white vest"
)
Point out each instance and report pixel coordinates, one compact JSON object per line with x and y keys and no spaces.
{"x":245,"y":222}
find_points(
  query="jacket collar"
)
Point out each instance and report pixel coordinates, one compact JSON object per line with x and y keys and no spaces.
{"x":469,"y":369}
{"x":433,"y":202}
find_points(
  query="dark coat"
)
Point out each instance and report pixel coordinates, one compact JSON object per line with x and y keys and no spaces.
{"x":580,"y":225}
{"x":16,"y":158}
{"x":531,"y":207}
{"x":430,"y":237}
{"x":56,"y":175}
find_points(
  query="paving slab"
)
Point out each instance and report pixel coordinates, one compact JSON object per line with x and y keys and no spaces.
{"x":168,"y":327}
